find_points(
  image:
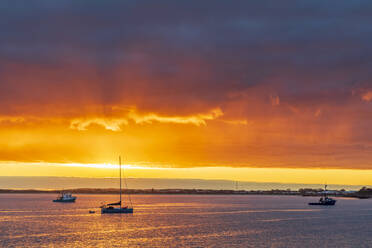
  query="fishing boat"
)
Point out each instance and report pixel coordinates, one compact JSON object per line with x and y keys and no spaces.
{"x":117,"y":207}
{"x":65,"y":197}
{"x":324,"y":200}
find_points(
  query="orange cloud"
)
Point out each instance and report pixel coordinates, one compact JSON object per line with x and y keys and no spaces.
{"x":114,"y":124}
{"x":107,"y":123}
{"x":275,"y":100}
{"x":318,"y":113}
{"x":236,"y":122}
{"x":196,"y":119}
{"x":12,"y":119}
{"x":367,"y":96}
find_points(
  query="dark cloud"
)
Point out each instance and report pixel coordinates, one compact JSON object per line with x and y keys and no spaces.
{"x":235,"y":45}
{"x":185,"y":49}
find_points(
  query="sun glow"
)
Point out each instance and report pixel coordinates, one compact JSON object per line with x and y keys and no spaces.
{"x":100,"y":170}
{"x":106,"y":166}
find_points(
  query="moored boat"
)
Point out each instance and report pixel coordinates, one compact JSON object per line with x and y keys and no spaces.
{"x":324,"y":200}
{"x":65,"y":197}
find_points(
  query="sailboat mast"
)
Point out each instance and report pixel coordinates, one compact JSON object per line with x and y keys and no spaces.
{"x":120,"y":177}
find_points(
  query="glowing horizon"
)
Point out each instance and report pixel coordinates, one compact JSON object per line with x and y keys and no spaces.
{"x":263,"y":175}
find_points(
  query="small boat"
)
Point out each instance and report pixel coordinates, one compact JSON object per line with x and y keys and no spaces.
{"x":117,"y":207}
{"x":324,"y":200}
{"x":65,"y":197}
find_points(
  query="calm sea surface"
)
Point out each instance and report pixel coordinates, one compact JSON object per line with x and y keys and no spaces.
{"x":33,"y":220}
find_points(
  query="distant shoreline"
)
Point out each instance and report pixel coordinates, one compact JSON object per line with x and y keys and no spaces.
{"x":52,"y":183}
{"x":185,"y":192}
{"x":150,"y":191}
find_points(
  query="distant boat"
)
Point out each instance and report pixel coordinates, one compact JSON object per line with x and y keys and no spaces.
{"x":324,"y":200}
{"x":111,"y":208}
{"x":65,"y":197}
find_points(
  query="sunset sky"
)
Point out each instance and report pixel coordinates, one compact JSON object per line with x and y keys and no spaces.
{"x":275,"y":91}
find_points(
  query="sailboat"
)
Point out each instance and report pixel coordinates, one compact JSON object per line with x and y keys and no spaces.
{"x":117,"y":207}
{"x":324,"y":200}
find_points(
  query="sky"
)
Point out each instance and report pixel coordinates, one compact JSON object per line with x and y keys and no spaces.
{"x":211,"y":89}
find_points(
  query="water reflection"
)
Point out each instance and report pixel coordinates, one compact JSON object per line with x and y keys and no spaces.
{"x":182,"y":220}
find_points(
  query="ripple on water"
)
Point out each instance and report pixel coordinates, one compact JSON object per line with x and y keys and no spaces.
{"x":177,"y":221}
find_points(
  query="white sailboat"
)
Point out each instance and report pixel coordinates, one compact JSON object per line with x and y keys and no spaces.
{"x":117,"y":207}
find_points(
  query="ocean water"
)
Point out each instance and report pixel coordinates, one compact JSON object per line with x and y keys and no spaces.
{"x":33,"y":220}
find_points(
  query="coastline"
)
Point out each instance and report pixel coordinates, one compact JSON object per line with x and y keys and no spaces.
{"x":150,"y":191}
{"x":187,"y":192}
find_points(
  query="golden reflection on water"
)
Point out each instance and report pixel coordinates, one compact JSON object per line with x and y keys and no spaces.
{"x":180,"y":220}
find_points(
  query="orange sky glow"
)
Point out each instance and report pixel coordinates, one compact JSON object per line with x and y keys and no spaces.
{"x":234,"y":94}
{"x":210,"y":144}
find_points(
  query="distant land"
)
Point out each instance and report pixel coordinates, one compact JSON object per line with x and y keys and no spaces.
{"x":58,"y":183}
{"x":364,"y":193}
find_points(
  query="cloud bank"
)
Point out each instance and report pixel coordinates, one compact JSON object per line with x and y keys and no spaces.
{"x":264,"y":84}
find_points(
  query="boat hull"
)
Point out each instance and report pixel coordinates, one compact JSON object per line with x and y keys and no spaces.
{"x":117,"y":210}
{"x":65,"y":200}
{"x":322,"y":203}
